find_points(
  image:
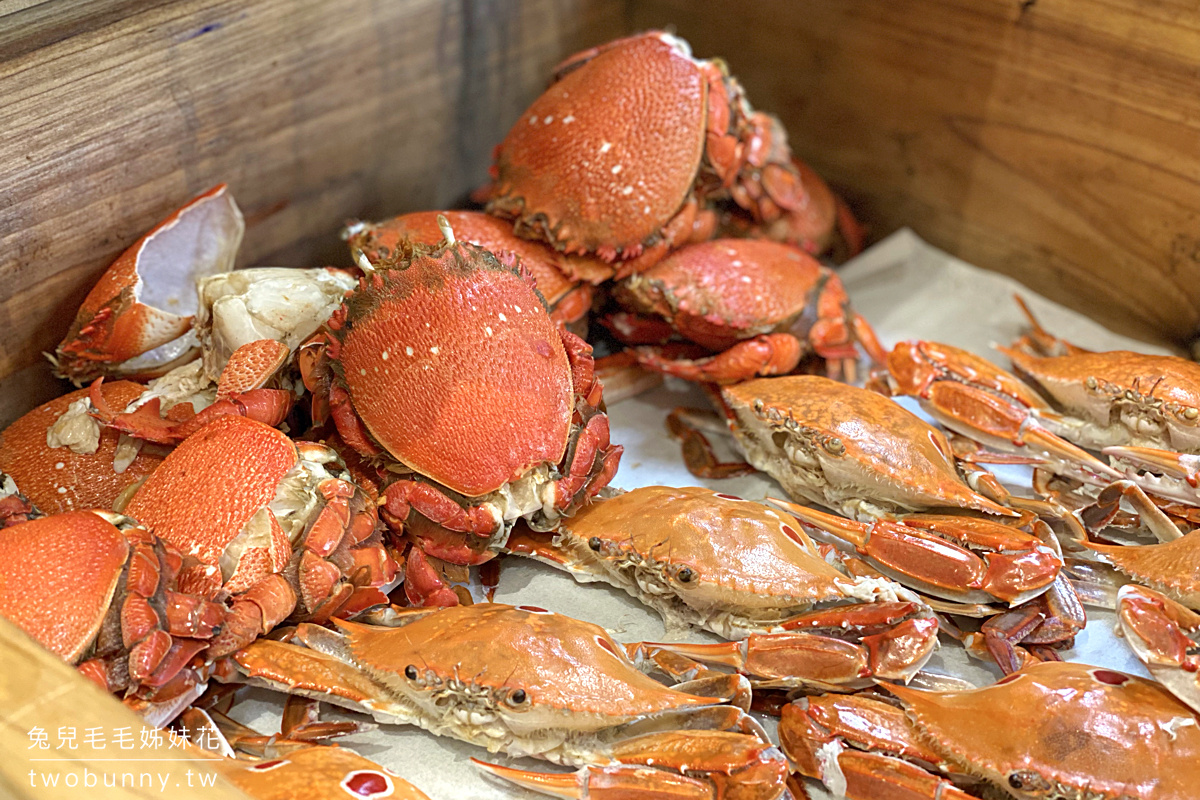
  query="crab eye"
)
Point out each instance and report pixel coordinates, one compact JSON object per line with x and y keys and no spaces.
{"x":595,"y":543}
{"x":1028,"y":780}
{"x":685,"y":575}
{"x":410,"y":672}
{"x":516,"y":698}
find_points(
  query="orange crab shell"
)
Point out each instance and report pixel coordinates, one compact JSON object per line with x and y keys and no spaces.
{"x":232,"y":458}
{"x":58,"y":479}
{"x":63,"y":605}
{"x":318,"y":773}
{"x":562,"y":279}
{"x":113,"y":325}
{"x":720,"y":292}
{"x":599,"y":149}
{"x":431,"y":395}
{"x":1085,"y":728}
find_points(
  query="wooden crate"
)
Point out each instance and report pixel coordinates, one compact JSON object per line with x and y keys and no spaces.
{"x":1057,"y":141}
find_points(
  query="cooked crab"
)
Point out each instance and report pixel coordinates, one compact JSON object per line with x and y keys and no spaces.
{"x":137,"y":320}
{"x":519,"y":680}
{"x":1052,"y":730}
{"x":580,"y":170}
{"x":565,"y":281}
{"x":973,"y":397}
{"x":742,"y":571}
{"x":751,"y":307}
{"x":100,"y":591}
{"x":847,"y":448}
{"x":274,"y":522}
{"x":61,"y":459}
{"x":445,"y":370}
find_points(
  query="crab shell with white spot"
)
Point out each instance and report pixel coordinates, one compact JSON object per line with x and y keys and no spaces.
{"x":318,"y":773}
{"x":445,"y":369}
{"x":623,"y":154}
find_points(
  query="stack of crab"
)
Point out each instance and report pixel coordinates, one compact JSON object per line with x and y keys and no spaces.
{"x":281,"y":477}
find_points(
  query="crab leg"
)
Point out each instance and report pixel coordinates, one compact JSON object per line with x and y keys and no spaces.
{"x":794,"y":658}
{"x":685,"y":424}
{"x":825,"y":737}
{"x":403,"y":496}
{"x":718,"y":765}
{"x":1015,"y":572}
{"x":768,"y":354}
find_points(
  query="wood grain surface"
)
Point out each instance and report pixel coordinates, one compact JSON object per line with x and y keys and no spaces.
{"x":1057,"y":141}
{"x":40,"y":693}
{"x":117,"y":112}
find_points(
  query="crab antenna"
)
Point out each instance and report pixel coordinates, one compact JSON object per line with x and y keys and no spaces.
{"x":447,"y":231}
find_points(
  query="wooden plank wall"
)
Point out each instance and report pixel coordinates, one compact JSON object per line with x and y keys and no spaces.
{"x":116,"y":112}
{"x":1057,"y":141}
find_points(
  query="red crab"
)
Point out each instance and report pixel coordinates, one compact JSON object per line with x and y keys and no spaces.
{"x":752,"y":307}
{"x":565,"y":281}
{"x":445,"y":368}
{"x":105,"y":598}
{"x":63,"y":460}
{"x":624,"y":153}
{"x":273,"y":522}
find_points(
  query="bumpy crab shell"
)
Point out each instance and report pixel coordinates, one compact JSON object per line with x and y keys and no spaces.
{"x":1065,"y":730}
{"x":729,"y":565}
{"x":518,"y":679}
{"x":64,"y":460}
{"x":572,"y":177}
{"x":103,"y":597}
{"x":565,"y":281}
{"x":848,"y":448}
{"x":1119,"y":398}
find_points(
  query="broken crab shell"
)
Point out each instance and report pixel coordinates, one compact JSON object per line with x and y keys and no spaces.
{"x":847,"y":448}
{"x":1165,"y":636}
{"x":136,"y":321}
{"x":516,"y":679}
{"x":62,"y":459}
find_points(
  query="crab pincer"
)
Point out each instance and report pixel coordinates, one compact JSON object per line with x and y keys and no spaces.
{"x":973,"y":397}
{"x":1165,"y":636}
{"x":445,"y":369}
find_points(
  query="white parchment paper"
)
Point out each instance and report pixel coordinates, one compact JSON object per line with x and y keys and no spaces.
{"x":907,"y":289}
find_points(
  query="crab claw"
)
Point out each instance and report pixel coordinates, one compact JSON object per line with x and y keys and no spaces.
{"x":1163,"y":462}
{"x":1015,"y":572}
{"x":136,"y":320}
{"x":1163,"y":634}
{"x":705,"y":765}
